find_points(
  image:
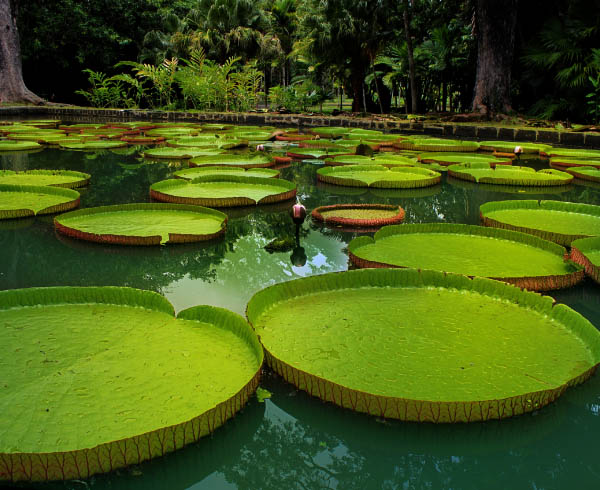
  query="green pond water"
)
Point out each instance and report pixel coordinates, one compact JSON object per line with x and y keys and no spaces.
{"x":293,"y":441}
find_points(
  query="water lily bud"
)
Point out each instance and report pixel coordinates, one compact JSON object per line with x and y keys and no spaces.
{"x":260,"y":147}
{"x":518,"y":150}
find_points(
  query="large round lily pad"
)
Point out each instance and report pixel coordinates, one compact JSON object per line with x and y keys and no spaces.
{"x":223,"y":191}
{"x":307,"y":153}
{"x":179,"y":153}
{"x":557,"y":153}
{"x":93,"y":145}
{"x":56,"y":178}
{"x":564,"y":163}
{"x":509,"y":147}
{"x":195,"y":172}
{"x":242,"y":161}
{"x":586,"y":252}
{"x":560,"y":222}
{"x":449,"y":158}
{"x":585,"y":173}
{"x":423,"y":345}
{"x":19,"y":201}
{"x":13,"y":145}
{"x":143,"y":224}
{"x":508,"y":175}
{"x":101,"y":378}
{"x":436,"y":145}
{"x":359,"y":215}
{"x":517,"y":258}
{"x":378,"y":176}
{"x":385,"y":160}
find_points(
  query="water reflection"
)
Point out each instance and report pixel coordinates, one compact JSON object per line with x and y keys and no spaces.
{"x":294,"y":441}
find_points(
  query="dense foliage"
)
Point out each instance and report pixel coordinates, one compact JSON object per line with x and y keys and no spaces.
{"x":295,"y":54}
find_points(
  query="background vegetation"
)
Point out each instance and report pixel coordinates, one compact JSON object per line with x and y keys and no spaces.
{"x":237,"y":55}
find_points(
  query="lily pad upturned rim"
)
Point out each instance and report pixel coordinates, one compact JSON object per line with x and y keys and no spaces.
{"x":556,"y":237}
{"x":499,"y":175}
{"x":356,"y":222}
{"x":437,"y":145}
{"x":241,"y":161}
{"x":83,"y":178}
{"x":579,"y":250}
{"x":446,"y":158}
{"x":584,"y":173}
{"x":159,"y":191}
{"x":532,"y":283}
{"x":412,"y":409}
{"x":17,"y":145}
{"x":264,"y":172}
{"x":73,"y":195}
{"x":117,"y":239}
{"x":108,"y":456}
{"x":564,"y":163}
{"x":328,"y":175}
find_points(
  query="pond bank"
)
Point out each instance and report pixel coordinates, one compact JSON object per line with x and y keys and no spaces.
{"x":474,"y":131}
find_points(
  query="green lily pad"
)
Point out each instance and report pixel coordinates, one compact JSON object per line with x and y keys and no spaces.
{"x":216,"y":127}
{"x":585,"y":173}
{"x":143,"y":224}
{"x":509,"y":189}
{"x":309,"y":153}
{"x":556,"y":153}
{"x":560,"y":222}
{"x":195,"y":172}
{"x":423,"y":345}
{"x":19,"y":201}
{"x":448,"y":158}
{"x":384,"y":160}
{"x":172,"y":132}
{"x":241,"y":161}
{"x":509,"y":147}
{"x":56,"y":178}
{"x":517,"y":258}
{"x":93,"y":145}
{"x":168,"y":152}
{"x":208,"y":141}
{"x":378,"y":176}
{"x":586,"y":252}
{"x":508,"y":175}
{"x":564,"y":163}
{"x":223,"y":191}
{"x":359,"y":215}
{"x":436,"y":145}
{"x":14,"y":145}
{"x":101,"y":378}
{"x":330,"y":132}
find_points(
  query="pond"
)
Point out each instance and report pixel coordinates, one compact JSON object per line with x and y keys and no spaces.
{"x":292,"y":440}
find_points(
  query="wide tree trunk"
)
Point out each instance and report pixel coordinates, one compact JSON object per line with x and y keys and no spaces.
{"x":411,"y":59}
{"x":12,"y":86}
{"x":494,"y":26}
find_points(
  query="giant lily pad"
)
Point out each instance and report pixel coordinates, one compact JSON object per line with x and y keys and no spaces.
{"x":448,"y":158}
{"x":436,"y":145}
{"x":310,"y":153}
{"x":509,"y":189}
{"x":586,"y":252}
{"x":509,"y":147}
{"x":423,"y":345}
{"x":56,"y":178}
{"x":223,"y":191}
{"x":19,"y":201}
{"x":329,"y":132}
{"x":101,"y":378}
{"x":195,"y":172}
{"x":385,"y":160}
{"x":560,"y":222}
{"x":179,"y":153}
{"x":93,"y":145}
{"x":14,"y":145}
{"x":557,"y":153}
{"x":517,"y":258}
{"x":378,"y":176}
{"x":508,"y":175}
{"x":585,"y":173}
{"x":143,"y":224}
{"x":359,"y":215}
{"x":564,"y":163}
{"x":241,"y":161}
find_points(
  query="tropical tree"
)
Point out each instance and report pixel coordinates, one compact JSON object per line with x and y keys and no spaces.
{"x":12,"y":86}
{"x":495,"y":26}
{"x":346,"y":34}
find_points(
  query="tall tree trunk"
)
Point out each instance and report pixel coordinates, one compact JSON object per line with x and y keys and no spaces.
{"x":357,"y":77}
{"x":494,"y":25}
{"x":411,"y":59}
{"x":12,"y":86}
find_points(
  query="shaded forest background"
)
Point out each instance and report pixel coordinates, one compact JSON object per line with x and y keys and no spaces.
{"x":294,"y":54}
